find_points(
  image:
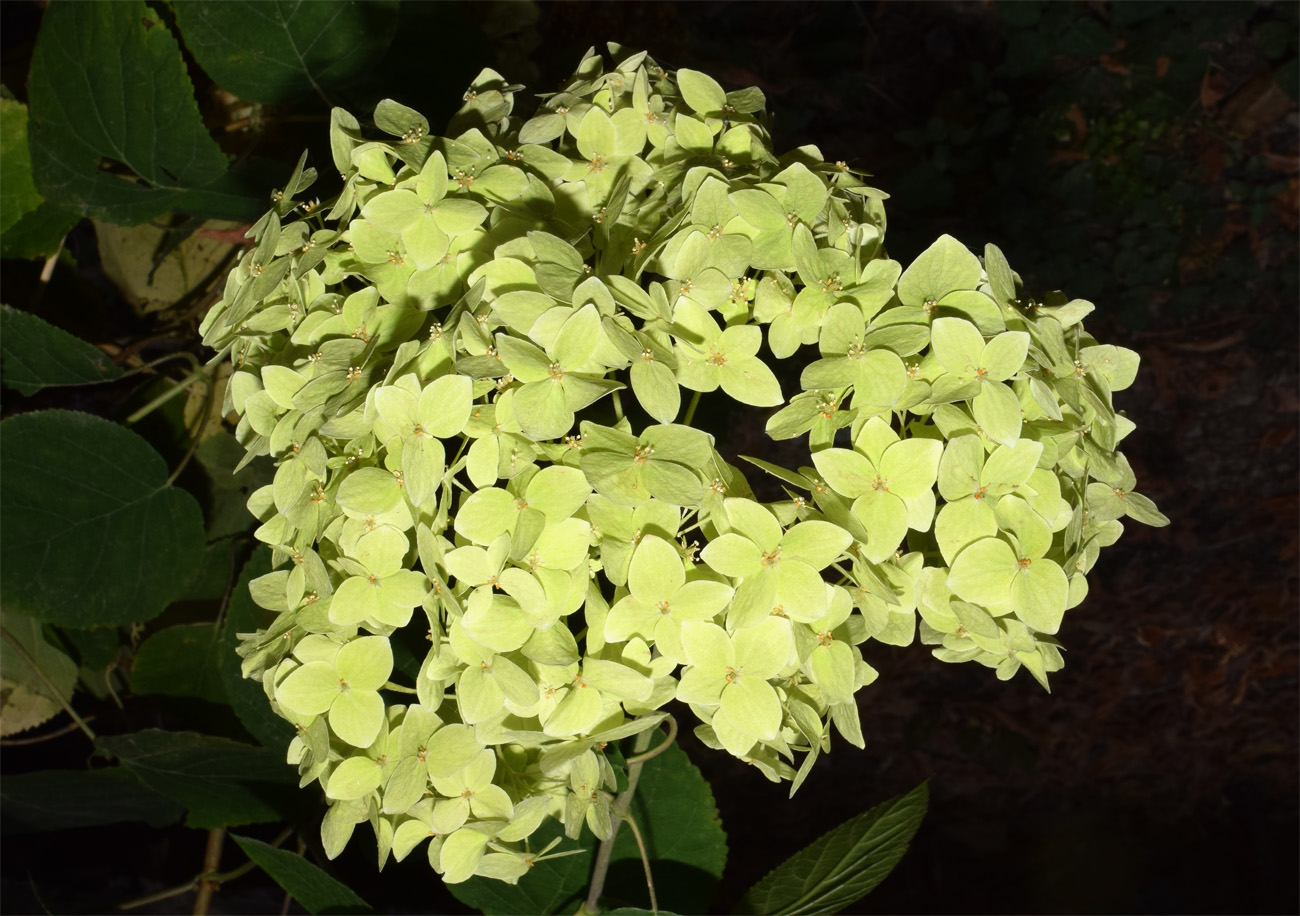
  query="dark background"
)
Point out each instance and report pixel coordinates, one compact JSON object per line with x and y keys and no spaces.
{"x":1139,"y":155}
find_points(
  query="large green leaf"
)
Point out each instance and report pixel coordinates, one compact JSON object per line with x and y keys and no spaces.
{"x":18,"y":195}
{"x":247,"y":696}
{"x":89,"y":519}
{"x":220,"y":783}
{"x":35,"y":354}
{"x":36,"y":678}
{"x":674,"y":808}
{"x":73,"y":799}
{"x":279,"y":50}
{"x":311,"y":887}
{"x":38,"y":233}
{"x":180,"y":661}
{"x":115,"y":131}
{"x":842,"y":867}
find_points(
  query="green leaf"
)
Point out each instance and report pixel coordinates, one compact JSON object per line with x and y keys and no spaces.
{"x":34,"y":354}
{"x":278,"y":51}
{"x":220,"y":783}
{"x":89,"y":518}
{"x":34,"y":682}
{"x":108,"y":86}
{"x":316,"y":891}
{"x":180,"y":661}
{"x":246,"y":696}
{"x":38,"y":233}
{"x":675,"y":810}
{"x":18,"y":196}
{"x":75,"y":799}
{"x":843,"y":866}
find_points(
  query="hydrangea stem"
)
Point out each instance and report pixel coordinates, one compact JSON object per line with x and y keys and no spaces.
{"x":690,"y":408}
{"x":619,"y":812}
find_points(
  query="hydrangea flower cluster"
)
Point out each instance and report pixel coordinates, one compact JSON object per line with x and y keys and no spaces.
{"x":416,"y":358}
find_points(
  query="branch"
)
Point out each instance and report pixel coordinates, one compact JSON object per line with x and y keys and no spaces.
{"x":211,"y":862}
{"x":619,"y":813}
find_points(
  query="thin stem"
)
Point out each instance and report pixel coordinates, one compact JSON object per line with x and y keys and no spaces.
{"x":398,"y":687}
{"x":108,"y":684}
{"x":645,"y":860}
{"x":650,"y":755}
{"x":47,"y":271}
{"x":197,"y":437}
{"x":163,"y":398}
{"x":19,"y":742}
{"x":54,"y":691}
{"x":153,"y":363}
{"x":229,"y":590}
{"x":618,"y":406}
{"x":690,"y":409}
{"x":211,"y":862}
{"x":620,"y":807}
{"x":216,"y":879}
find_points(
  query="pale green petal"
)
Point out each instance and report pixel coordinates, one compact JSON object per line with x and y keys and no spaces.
{"x":983,"y":572}
{"x":750,"y":381}
{"x":614,"y":679}
{"x":1039,"y":594}
{"x":847,"y":472}
{"x":751,"y":705}
{"x":958,"y":345}
{"x":630,"y":617}
{"x":700,"y":687}
{"x":762,"y":650}
{"x":800,"y":592}
{"x":461,"y":852}
{"x":369,"y":491}
{"x":365,"y":663}
{"x":353,"y":778}
{"x":357,"y":716}
{"x":1004,"y":355}
{"x":445,"y":405}
{"x":576,"y":714}
{"x":542,"y":411}
{"x":479,"y":696}
{"x":961,"y":523}
{"x":885,"y":517}
{"x":1009,"y":467}
{"x":451,"y":749}
{"x":733,"y":555}
{"x":909,"y":467}
{"x":707,"y":645}
{"x":1032,"y":533}
{"x":486,"y":515}
{"x":309,"y":690}
{"x":405,"y":786}
{"x":558,"y":491}
{"x":960,"y":466}
{"x":354,"y":602}
{"x":754,"y":599}
{"x":832,"y":669}
{"x":562,"y":545}
{"x":701,"y":599}
{"x":997,"y":411}
{"x":945,"y":266}
{"x":656,"y":571}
